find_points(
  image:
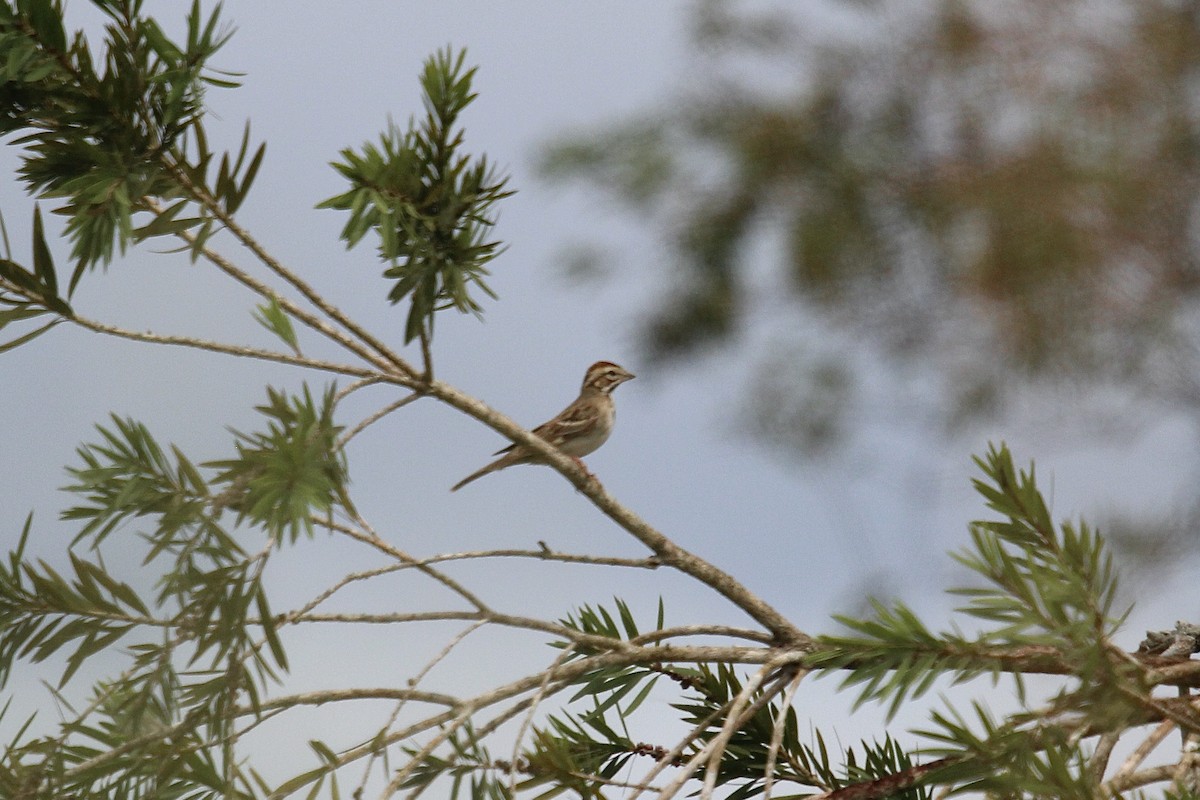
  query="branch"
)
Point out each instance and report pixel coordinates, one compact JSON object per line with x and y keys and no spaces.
{"x":546,"y":554}
{"x":566,"y":675}
{"x":708,"y":750}
{"x":373,"y":418}
{"x":413,"y":681}
{"x":1026,"y":659}
{"x":785,"y":705}
{"x":324,"y":696}
{"x":737,"y":717}
{"x":1133,"y":780}
{"x":664,"y":549}
{"x":671,"y":757}
{"x":368,"y":536}
{"x":391,"y":361}
{"x":527,"y":722}
{"x":889,"y":785}
{"x":1143,"y":750}
{"x":228,"y":349}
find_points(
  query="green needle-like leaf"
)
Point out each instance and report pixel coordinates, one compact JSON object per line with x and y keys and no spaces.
{"x":272,"y":317}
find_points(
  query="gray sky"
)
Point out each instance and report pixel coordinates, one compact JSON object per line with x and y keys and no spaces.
{"x":806,"y":537}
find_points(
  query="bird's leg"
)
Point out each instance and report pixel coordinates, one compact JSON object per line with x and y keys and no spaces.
{"x":583,"y":467}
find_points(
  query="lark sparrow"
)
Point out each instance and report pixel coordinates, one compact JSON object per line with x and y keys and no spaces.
{"x":579,"y":429}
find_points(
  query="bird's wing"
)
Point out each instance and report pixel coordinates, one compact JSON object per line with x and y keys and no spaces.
{"x":574,"y":418}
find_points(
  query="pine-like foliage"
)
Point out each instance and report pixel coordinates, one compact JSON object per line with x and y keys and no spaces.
{"x":431,"y":207}
{"x":1045,"y":606}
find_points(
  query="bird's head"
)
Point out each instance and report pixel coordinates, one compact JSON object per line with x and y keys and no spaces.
{"x":604,"y":376}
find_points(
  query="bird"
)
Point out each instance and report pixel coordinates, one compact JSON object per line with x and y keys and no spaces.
{"x":577,"y":430}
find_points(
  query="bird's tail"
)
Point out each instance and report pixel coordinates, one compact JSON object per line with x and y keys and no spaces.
{"x":474,"y":476}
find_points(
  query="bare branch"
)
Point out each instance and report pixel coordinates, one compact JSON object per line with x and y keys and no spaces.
{"x":1098,"y":763}
{"x":735,"y":720}
{"x":346,"y":391}
{"x":382,"y":356}
{"x":785,"y":705}
{"x":373,"y":418}
{"x":413,"y":682}
{"x":526,"y":723}
{"x":547,"y":554}
{"x":368,"y":536}
{"x":227,"y":349}
{"x":1143,"y":751}
{"x":326,"y":696}
{"x":1123,"y":783}
{"x":664,"y":549}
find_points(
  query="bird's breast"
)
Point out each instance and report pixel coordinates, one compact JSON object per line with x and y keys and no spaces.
{"x":585,"y":444}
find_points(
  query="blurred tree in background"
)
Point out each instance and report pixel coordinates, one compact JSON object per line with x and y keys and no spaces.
{"x":980,"y":197}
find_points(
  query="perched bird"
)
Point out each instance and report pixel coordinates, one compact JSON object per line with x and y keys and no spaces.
{"x":579,"y":429}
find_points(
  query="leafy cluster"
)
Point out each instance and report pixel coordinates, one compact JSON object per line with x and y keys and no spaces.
{"x":103,"y":137}
{"x":127,"y":137}
{"x":203,"y":646}
{"x":1047,"y":586}
{"x":30,"y":293}
{"x":430,"y":206}
{"x":108,"y":136}
{"x":1046,"y":606}
{"x":294,"y":470}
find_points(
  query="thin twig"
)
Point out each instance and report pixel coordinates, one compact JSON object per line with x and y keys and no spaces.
{"x":785,"y":705}
{"x":303,"y":614}
{"x":1118,"y":784}
{"x":293,"y":310}
{"x":413,"y":682}
{"x":212,"y":346}
{"x":701,"y":630}
{"x":592,"y":641}
{"x":326,"y":696}
{"x":1098,"y":763}
{"x":672,"y":755}
{"x":426,"y":356}
{"x":390,"y":359}
{"x":705,"y":753}
{"x":546,"y":555}
{"x":733,"y":723}
{"x":541,"y":694}
{"x":417,"y":758}
{"x":346,"y":391}
{"x":368,"y":536}
{"x":378,"y":415}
